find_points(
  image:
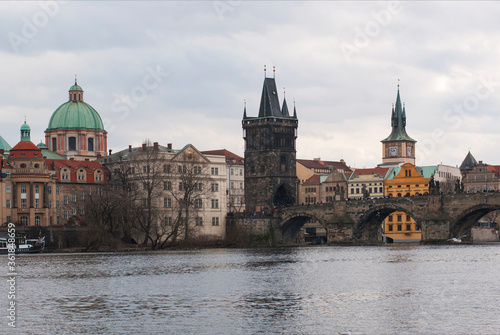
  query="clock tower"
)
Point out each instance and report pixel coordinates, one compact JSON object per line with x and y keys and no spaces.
{"x":398,"y":147}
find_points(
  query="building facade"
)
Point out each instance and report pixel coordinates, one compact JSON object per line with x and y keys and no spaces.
{"x":235,"y":183}
{"x":482,"y":178}
{"x":185,"y":188}
{"x":367,"y":183}
{"x":38,"y":191}
{"x":270,"y":153}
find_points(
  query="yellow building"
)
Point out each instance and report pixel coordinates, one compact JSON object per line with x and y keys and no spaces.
{"x":405,"y":181}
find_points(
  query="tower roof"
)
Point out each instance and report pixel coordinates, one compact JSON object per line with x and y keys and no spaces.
{"x":398,"y":123}
{"x":468,"y":163}
{"x":4,"y":145}
{"x":269,"y":103}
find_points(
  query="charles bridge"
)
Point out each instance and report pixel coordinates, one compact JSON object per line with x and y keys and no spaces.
{"x":440,"y":217}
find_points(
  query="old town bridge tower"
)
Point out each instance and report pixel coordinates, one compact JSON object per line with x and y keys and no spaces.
{"x":270,"y":154}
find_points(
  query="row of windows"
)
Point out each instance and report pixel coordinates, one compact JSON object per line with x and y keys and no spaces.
{"x":399,"y":227}
{"x":72,"y":144}
{"x":399,"y":218}
{"x":369,"y":184}
{"x":371,"y":190}
{"x":198,"y":203}
{"x":233,"y":185}
{"x":198,"y":221}
{"x":240,"y":171}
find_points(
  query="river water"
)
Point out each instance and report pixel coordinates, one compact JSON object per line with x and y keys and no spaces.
{"x":314,"y":290}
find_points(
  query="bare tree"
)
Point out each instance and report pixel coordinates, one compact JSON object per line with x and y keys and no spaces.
{"x":188,"y":188}
{"x":146,"y":171}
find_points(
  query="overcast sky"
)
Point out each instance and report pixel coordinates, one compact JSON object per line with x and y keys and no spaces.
{"x":179,"y":72}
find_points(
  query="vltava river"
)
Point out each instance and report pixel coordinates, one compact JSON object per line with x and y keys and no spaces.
{"x":317,"y":290}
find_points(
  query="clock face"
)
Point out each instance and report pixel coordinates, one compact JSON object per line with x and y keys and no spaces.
{"x":393,"y":151}
{"x":408,"y":152}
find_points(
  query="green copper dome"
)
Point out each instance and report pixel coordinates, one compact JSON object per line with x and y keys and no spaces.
{"x":75,"y":115}
{"x":25,"y":126}
{"x":75,"y":88}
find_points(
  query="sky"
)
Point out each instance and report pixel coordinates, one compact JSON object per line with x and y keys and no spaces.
{"x":179,"y":72}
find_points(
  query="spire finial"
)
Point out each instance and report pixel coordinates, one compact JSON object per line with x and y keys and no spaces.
{"x":398,"y":84}
{"x":264,"y":71}
{"x":75,"y":79}
{"x":284,"y":92}
{"x":24,"y":118}
{"x":274,"y":71}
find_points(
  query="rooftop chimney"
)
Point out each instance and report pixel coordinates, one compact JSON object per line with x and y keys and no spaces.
{"x":169,"y":147}
{"x":155,"y":146}
{"x":144,"y":146}
{"x":129,"y":148}
{"x":110,"y":152}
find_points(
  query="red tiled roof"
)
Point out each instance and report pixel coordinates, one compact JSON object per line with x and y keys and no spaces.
{"x":314,"y":179}
{"x":25,"y":149}
{"x":495,"y":168}
{"x":312,"y":164}
{"x":73,"y":165}
{"x":378,"y":171}
{"x":337,"y":165}
{"x":231,"y":158}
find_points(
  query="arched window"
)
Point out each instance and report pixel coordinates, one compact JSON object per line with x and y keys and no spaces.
{"x":399,"y":195}
{"x":54,"y":144}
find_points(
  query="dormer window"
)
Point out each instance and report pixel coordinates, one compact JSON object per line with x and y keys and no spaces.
{"x":81,"y":175}
{"x":65,"y":174}
{"x":98,"y":176}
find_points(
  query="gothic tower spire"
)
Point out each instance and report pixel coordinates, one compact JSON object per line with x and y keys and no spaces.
{"x":398,"y":146}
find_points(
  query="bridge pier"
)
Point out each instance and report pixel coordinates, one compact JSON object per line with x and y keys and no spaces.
{"x":435,"y":227}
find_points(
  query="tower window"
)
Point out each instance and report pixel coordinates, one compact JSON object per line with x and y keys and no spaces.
{"x":283,"y":166}
{"x":54,"y":144}
{"x":90,"y":145}
{"x":72,"y":143}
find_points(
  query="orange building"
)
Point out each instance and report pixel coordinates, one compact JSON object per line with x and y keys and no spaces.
{"x":404,"y":182}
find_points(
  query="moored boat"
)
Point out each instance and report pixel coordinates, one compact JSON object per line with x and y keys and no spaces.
{"x":23,"y":245}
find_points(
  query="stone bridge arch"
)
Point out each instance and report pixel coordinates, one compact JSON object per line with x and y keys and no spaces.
{"x":465,"y":220}
{"x":368,"y":227}
{"x":291,"y":224}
